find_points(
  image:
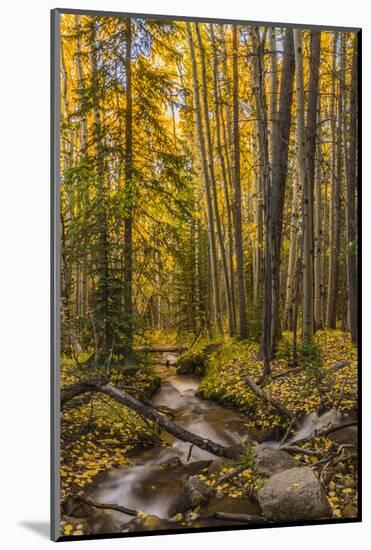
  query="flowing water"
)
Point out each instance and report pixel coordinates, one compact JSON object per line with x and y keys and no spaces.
{"x":154,"y":480}
{"x":151,"y":487}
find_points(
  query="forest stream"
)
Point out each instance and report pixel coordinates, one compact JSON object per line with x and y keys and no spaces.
{"x":156,"y":477}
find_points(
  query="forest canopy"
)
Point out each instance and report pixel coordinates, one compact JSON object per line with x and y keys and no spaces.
{"x":208,"y":181}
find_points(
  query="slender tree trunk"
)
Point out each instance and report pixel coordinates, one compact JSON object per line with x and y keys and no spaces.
{"x":83,"y":153}
{"x":313,"y":167}
{"x":217,"y":107}
{"x":129,"y":195}
{"x":205,"y":173}
{"x":307,"y":263}
{"x":258,"y":222}
{"x":318,"y":238}
{"x":228,"y":190}
{"x":261,"y":111}
{"x":273,"y":89}
{"x":334,"y":204}
{"x":81,"y":79}
{"x":279,"y":155}
{"x":218,"y":224}
{"x":67,"y":148}
{"x":351,"y":201}
{"x":237,"y":192}
{"x":102,"y":309}
{"x":312,"y":95}
{"x":293,"y":252}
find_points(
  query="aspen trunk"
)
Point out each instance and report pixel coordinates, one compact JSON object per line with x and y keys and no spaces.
{"x":273,"y":89}
{"x":334,"y":204}
{"x":351,"y":228}
{"x":217,"y":108}
{"x":129,"y":195}
{"x":318,"y":239}
{"x":206,"y":178}
{"x":293,"y":252}
{"x":307,"y":264}
{"x":314,"y":174}
{"x":279,"y":156}
{"x":218,"y":224}
{"x":258,"y":222}
{"x":228,"y":191}
{"x":237,"y":193}
{"x":261,"y":111}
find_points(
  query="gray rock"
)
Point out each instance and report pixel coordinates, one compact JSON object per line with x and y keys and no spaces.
{"x":75,"y":509}
{"x":218,"y":463}
{"x":347,"y":435}
{"x":197,"y":466}
{"x":272,"y":461}
{"x":293,"y":495}
{"x":195,"y":492}
{"x":173,"y":462}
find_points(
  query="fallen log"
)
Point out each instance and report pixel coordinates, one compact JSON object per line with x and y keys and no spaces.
{"x":77,"y":402}
{"x":175,"y":349}
{"x":167,"y":425}
{"x":148,"y":412}
{"x":103,"y":506}
{"x":296,"y":449}
{"x":74,"y":390}
{"x":270,"y":400}
{"x":240,"y":518}
{"x":340,"y":365}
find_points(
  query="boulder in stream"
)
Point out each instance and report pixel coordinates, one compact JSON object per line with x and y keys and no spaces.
{"x":292,"y":495}
{"x":272,"y":461}
{"x":194,"y":493}
{"x":197,"y":466}
{"x":75,"y":509}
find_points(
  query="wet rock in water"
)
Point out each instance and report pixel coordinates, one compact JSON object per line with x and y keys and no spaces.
{"x":197,"y":466}
{"x":292,"y":495}
{"x":194,"y":493}
{"x":232,"y":505}
{"x":347,"y":435}
{"x":186,"y":368}
{"x":272,"y":461}
{"x":173,"y":462}
{"x":148,"y":523}
{"x":75,"y":509}
{"x":266,"y":434}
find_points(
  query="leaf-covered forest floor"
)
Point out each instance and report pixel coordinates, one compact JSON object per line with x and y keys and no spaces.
{"x":317,"y":386}
{"x":100,"y":434}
